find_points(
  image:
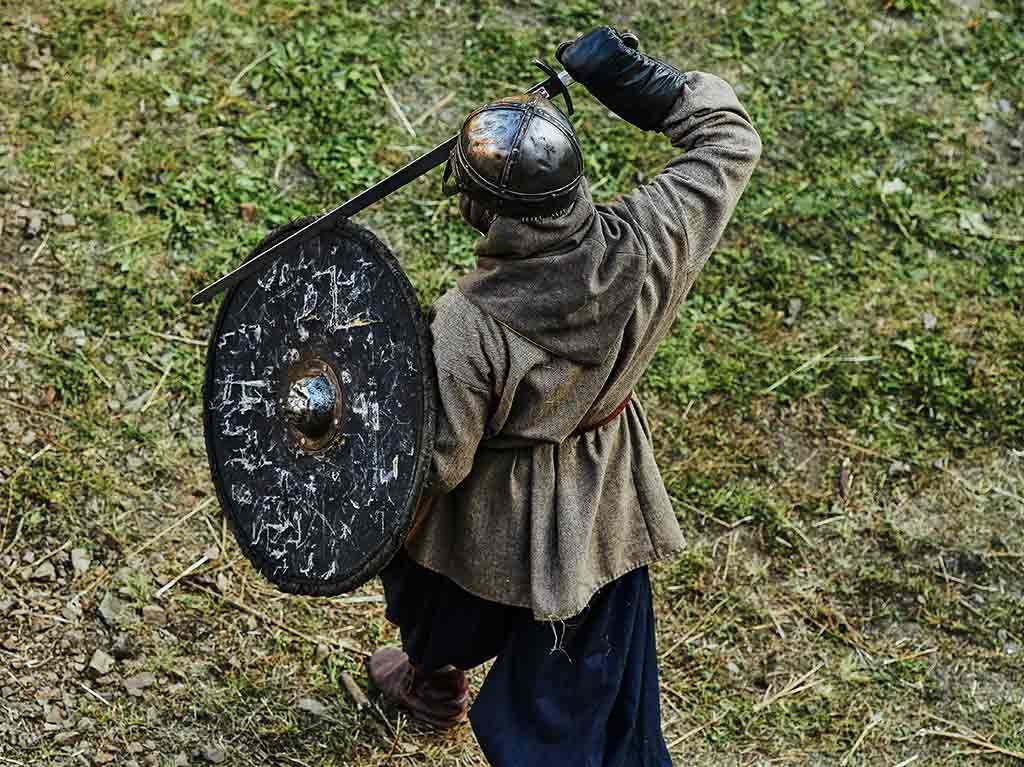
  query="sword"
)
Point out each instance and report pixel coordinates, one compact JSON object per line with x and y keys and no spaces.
{"x":556,"y":83}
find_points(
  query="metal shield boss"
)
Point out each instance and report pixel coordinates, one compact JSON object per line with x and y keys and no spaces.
{"x":318,"y":410}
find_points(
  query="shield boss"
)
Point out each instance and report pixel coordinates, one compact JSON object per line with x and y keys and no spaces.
{"x":318,"y":410}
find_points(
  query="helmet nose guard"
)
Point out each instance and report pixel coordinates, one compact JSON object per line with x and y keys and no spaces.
{"x":518,"y":157}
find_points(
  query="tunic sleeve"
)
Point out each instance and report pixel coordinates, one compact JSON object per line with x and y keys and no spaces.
{"x":682,"y":213}
{"x":465,"y":352}
{"x":462,"y":414}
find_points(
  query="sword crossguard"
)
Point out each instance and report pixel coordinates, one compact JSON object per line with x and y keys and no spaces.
{"x":553,"y":77}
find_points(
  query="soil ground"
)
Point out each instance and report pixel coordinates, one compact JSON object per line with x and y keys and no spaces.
{"x":837,"y":414}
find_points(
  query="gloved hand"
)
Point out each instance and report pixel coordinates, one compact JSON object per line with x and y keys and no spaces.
{"x":634,"y":86}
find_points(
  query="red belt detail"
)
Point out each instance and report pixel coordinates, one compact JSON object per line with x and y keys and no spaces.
{"x":605,"y":421}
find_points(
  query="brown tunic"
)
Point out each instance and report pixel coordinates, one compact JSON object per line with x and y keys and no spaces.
{"x":551,"y":332}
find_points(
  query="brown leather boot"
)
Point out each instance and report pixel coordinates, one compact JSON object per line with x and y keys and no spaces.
{"x":438,"y":698}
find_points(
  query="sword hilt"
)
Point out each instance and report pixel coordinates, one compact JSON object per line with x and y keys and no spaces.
{"x":560,"y":81}
{"x":630,"y":40}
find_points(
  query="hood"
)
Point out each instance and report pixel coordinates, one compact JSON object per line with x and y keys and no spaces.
{"x":566,"y":284}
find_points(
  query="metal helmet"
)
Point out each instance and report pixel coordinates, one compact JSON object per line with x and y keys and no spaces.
{"x":517,"y":157}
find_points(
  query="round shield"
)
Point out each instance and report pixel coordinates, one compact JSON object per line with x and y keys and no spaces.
{"x":318,"y":410}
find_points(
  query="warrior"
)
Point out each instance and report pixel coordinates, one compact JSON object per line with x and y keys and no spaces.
{"x":546,"y":505}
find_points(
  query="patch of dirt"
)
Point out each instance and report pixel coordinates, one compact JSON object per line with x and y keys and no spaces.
{"x":1002,"y":149}
{"x":982,"y":688}
{"x":799,"y":457}
{"x":990,"y":493}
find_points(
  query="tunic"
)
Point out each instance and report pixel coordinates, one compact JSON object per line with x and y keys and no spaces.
{"x":550,"y":332}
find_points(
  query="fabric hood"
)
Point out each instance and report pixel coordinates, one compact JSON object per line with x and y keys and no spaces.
{"x":566,"y":283}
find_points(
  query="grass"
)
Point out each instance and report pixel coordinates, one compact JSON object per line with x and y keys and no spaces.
{"x":853,"y":592}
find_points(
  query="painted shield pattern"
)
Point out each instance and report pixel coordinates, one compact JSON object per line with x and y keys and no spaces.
{"x":318,"y":410}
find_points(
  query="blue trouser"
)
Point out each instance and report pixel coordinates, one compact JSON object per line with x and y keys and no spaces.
{"x":583,"y":693}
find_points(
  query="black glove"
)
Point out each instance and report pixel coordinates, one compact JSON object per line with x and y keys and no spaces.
{"x":634,"y":86}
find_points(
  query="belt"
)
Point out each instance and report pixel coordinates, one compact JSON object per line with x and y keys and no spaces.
{"x":423,"y":510}
{"x":604,"y":421}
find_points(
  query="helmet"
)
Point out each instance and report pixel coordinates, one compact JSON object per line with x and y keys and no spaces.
{"x":516,"y":157}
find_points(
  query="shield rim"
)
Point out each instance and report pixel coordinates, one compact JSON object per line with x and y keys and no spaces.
{"x":389,"y":546}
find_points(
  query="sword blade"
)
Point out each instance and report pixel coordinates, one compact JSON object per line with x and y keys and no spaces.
{"x":364,"y":199}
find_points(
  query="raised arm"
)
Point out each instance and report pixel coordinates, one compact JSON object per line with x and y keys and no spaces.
{"x":682,"y":213}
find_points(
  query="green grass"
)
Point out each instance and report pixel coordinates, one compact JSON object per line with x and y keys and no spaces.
{"x":884,"y":224}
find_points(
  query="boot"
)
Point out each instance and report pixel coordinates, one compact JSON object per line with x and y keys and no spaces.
{"x":438,"y":698}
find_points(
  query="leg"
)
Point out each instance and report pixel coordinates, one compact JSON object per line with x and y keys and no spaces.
{"x":583,"y":693}
{"x":444,"y":631}
{"x":442,"y":624}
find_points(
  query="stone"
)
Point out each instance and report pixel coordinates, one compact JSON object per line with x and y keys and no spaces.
{"x":113,"y":610}
{"x":894,"y":186}
{"x":180,"y":760}
{"x":154,"y":615}
{"x":898,"y":467}
{"x":101,"y":662}
{"x":46,"y":694}
{"x":45,"y":572}
{"x":312,"y":706}
{"x":793,"y":311}
{"x":66,"y":221}
{"x":138,"y":402}
{"x":35,"y":224}
{"x":930,"y":321}
{"x":72,"y":611}
{"x":139,"y":682}
{"x":67,"y":737}
{"x":123,"y":647}
{"x":214,"y":754}
{"x":80,"y":561}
